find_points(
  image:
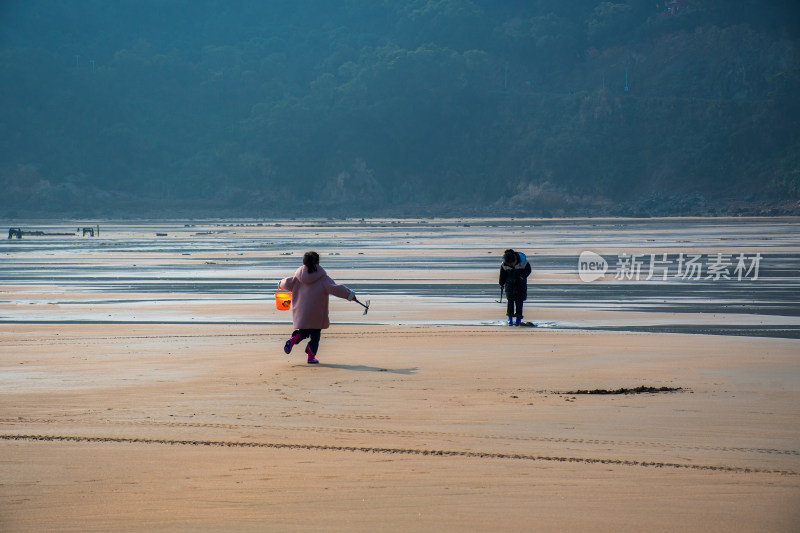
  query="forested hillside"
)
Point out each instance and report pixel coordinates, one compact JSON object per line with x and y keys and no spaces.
{"x":401,"y":107}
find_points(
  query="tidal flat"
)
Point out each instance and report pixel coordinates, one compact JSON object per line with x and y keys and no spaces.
{"x":143,"y":384}
{"x":226,"y":272}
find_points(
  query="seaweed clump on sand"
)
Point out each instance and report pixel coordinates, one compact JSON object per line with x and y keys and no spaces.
{"x":636,"y":390}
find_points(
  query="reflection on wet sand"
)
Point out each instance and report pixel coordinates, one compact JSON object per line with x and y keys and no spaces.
{"x":225,"y":272}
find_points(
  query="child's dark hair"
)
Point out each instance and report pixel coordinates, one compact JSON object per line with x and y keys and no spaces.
{"x":509,"y":257}
{"x":311,"y":260}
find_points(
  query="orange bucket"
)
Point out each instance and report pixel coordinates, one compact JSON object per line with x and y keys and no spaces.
{"x":283,"y":300}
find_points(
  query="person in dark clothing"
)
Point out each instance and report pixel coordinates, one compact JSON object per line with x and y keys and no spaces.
{"x":514,"y":274}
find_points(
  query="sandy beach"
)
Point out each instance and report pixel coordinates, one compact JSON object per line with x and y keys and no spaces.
{"x":144,"y":386}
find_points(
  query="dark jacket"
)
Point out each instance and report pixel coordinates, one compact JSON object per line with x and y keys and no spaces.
{"x":515,"y":279}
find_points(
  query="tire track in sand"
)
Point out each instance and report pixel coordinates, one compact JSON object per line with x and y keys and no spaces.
{"x":393,"y":451}
{"x":411,"y":433}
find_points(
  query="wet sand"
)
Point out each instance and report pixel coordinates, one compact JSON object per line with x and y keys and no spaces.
{"x":118,"y":413}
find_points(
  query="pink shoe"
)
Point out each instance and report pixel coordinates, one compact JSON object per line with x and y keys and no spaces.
{"x":290,"y":344}
{"x":311,"y":359}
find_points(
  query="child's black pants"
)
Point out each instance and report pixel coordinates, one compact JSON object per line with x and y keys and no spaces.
{"x":314,"y":334}
{"x":510,"y":308}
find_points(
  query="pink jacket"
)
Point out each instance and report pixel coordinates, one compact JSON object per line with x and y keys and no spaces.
{"x":310,"y":292}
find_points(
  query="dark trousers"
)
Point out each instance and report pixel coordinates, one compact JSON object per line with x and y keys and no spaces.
{"x":510,"y":308}
{"x":314,"y":334}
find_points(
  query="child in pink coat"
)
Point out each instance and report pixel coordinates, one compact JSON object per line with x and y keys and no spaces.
{"x":310,"y":288}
